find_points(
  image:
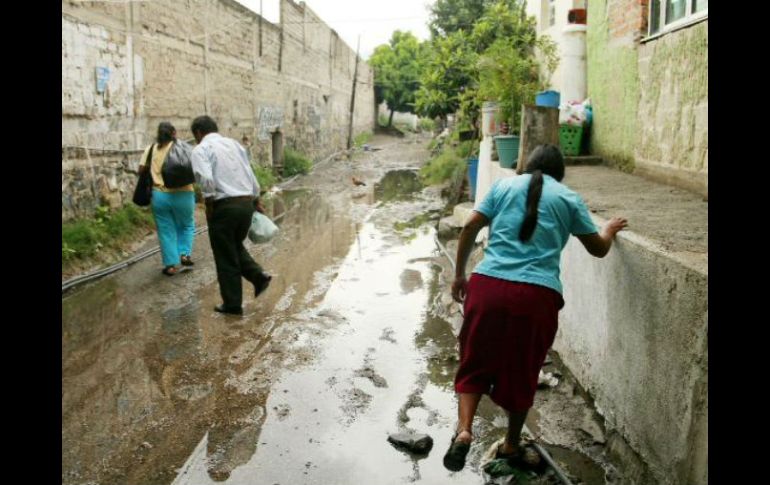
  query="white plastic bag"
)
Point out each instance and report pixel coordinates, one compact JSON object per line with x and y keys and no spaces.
{"x":262,"y":228}
{"x":572,"y":113}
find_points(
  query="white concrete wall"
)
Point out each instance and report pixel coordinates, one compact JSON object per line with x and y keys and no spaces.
{"x":634,"y":331}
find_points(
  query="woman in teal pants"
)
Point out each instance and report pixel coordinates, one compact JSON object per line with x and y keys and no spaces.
{"x":173,"y":209}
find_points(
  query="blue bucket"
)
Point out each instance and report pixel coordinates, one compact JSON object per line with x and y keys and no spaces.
{"x":549,"y":99}
{"x":473,"y":170}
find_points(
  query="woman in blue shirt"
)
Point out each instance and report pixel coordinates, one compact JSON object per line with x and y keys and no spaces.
{"x":513,"y":298}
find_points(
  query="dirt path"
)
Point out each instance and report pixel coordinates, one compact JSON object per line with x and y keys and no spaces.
{"x":350,"y":342}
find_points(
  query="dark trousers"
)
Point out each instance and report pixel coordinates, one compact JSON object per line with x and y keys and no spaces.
{"x":228,"y":227}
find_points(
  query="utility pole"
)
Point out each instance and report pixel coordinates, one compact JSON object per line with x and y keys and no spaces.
{"x":353,"y":96}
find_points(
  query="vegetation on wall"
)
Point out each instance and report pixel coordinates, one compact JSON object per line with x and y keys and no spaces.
{"x":295,"y":163}
{"x":83,"y":238}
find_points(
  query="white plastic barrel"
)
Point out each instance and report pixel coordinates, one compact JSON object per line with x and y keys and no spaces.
{"x":574,"y":63}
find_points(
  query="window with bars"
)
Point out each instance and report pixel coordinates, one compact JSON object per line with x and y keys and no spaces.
{"x":669,"y":14}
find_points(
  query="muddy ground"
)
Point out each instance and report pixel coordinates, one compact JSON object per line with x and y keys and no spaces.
{"x":354,"y":339}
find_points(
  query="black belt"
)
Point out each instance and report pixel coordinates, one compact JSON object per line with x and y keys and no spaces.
{"x":228,"y":200}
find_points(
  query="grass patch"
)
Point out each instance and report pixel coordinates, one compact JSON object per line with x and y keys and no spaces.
{"x":426,"y":124}
{"x":107,"y":230}
{"x":295,"y":163}
{"x":362,"y":139}
{"x":442,"y":167}
{"x":265,"y":176}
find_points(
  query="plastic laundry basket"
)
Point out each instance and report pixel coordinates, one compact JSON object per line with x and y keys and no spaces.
{"x":570,"y":139}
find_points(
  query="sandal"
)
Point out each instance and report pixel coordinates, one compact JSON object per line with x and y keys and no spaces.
{"x":454,"y":459}
{"x":169,"y":271}
{"x":186,"y":261}
{"x":527,"y":458}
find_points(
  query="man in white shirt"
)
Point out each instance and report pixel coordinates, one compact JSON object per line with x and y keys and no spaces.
{"x":231,"y":193}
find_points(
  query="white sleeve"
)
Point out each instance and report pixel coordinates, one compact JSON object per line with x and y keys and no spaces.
{"x":203,"y":170}
{"x":255,"y":183}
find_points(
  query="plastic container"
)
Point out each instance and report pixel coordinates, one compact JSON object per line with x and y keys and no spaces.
{"x":549,"y":99}
{"x":570,"y":139}
{"x":473,"y":171}
{"x":507,"y":150}
{"x":490,"y":111}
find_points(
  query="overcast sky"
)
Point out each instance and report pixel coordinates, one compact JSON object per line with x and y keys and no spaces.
{"x":374,"y":20}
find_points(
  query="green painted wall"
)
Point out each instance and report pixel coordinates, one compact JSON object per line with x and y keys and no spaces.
{"x":613,"y":87}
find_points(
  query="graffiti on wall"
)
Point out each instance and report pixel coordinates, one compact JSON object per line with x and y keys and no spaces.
{"x":270,"y":118}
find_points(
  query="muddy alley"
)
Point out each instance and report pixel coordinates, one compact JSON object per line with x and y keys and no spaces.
{"x":354,"y":339}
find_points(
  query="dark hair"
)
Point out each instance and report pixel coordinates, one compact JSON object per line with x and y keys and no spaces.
{"x":544,"y":159}
{"x":165,"y":132}
{"x":204,"y":124}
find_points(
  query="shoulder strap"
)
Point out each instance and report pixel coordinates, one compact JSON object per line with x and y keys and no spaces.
{"x":148,"y":161}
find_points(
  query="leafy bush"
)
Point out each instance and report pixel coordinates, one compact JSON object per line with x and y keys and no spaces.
{"x":85,"y":237}
{"x":295,"y":163}
{"x":426,"y":124}
{"x":442,"y":167}
{"x":265,"y":176}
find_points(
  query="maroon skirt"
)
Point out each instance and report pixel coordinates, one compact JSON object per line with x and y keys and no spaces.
{"x":507,"y":331}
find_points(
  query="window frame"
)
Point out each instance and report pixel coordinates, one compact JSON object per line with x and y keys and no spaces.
{"x":690,"y":18}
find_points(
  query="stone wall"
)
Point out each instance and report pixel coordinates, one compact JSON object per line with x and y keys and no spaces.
{"x":176,"y":59}
{"x":649,"y":96}
{"x":673,"y":108}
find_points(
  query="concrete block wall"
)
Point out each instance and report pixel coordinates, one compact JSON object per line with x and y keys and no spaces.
{"x":177,"y":59}
{"x":634,"y":331}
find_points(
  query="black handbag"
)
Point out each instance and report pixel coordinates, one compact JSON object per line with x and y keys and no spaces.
{"x":143,"y":190}
{"x":177,"y":168}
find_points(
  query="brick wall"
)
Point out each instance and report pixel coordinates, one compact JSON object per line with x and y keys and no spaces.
{"x":627,"y":19}
{"x":177,"y":59}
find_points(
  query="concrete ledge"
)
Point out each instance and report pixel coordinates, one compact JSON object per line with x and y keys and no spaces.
{"x":583,"y":160}
{"x":462,"y":212}
{"x":634,"y":331}
{"x":685,"y":179}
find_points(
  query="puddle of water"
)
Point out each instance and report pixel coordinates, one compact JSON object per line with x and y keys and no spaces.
{"x":346,"y":401}
{"x":145,"y":359}
{"x":398,"y":185}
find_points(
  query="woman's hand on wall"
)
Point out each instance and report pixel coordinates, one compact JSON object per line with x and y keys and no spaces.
{"x":615,"y":225}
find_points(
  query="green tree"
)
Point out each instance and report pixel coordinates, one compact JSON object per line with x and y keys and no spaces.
{"x":448,"y":16}
{"x":397,"y":72}
{"x":448,"y":72}
{"x":495,"y":58}
{"x":508,"y":67}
